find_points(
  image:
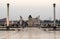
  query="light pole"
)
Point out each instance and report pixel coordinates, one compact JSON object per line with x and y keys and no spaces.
{"x":54,"y":5}
{"x":7,"y":19}
{"x":7,"y":16}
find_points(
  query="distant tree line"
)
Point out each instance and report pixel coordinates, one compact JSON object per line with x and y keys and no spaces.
{"x":46,"y":21}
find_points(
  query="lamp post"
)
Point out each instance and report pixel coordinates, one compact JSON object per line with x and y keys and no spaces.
{"x":7,"y":15}
{"x":54,"y":5}
{"x":7,"y":19}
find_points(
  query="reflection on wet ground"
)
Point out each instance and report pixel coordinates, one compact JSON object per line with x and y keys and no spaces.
{"x":30,"y":33}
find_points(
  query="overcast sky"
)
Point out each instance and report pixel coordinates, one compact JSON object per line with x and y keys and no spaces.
{"x":24,"y":8}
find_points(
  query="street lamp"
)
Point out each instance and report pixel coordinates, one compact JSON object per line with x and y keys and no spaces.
{"x":54,"y":5}
{"x":7,"y":16}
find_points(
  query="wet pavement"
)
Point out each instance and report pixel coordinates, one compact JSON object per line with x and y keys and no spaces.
{"x":30,"y":33}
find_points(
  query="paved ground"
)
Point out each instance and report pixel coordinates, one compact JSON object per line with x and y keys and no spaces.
{"x":30,"y":33}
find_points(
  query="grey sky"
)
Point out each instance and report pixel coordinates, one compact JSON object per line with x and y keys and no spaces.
{"x":24,"y":8}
